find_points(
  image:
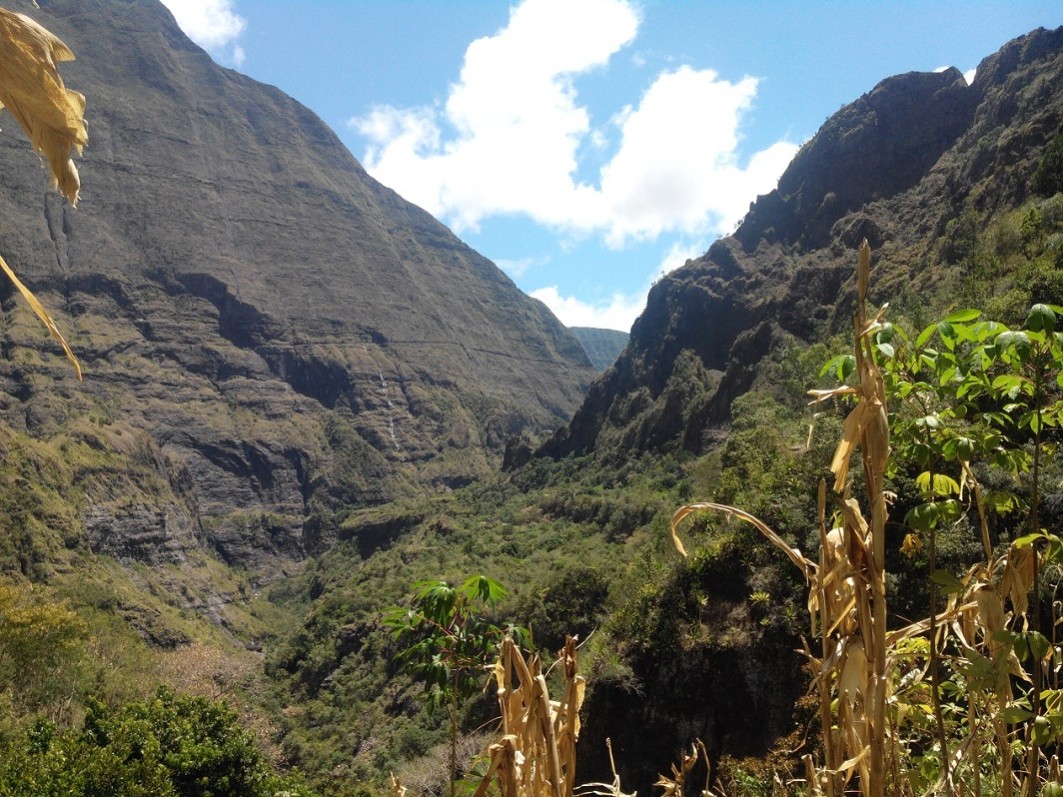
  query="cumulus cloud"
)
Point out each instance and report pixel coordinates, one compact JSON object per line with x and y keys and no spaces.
{"x":212,"y":24}
{"x":680,"y":252}
{"x":518,"y":267}
{"x":511,"y":134}
{"x":618,"y":312}
{"x":677,"y":167}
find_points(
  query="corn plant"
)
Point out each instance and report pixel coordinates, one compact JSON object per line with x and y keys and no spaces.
{"x":535,"y":755}
{"x":940,"y":704}
{"x":847,"y":596}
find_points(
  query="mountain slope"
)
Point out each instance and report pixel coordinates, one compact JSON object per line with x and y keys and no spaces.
{"x":914,"y":165}
{"x":603,"y":346}
{"x":285,"y":335}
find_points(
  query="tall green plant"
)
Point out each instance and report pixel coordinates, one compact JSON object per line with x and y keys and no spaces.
{"x":448,"y":642}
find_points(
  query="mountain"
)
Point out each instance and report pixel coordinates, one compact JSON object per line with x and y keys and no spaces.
{"x":917,"y":166}
{"x":268,"y":333}
{"x":603,"y":346}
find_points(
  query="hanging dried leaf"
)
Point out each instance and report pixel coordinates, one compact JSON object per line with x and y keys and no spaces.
{"x":30,"y":87}
{"x":51,"y":114}
{"x":42,"y":314}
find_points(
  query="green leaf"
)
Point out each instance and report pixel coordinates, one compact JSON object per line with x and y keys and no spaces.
{"x":1008,"y":385}
{"x":945,"y":329}
{"x":922,"y":517}
{"x":1041,"y":318}
{"x":842,"y":366}
{"x":947,"y":581}
{"x":1017,"y":341}
{"x":963,"y":316}
{"x":1042,"y":731}
{"x":1014,"y":714}
{"x":943,"y":485}
{"x":486,"y":589}
{"x":1029,"y":539}
{"x":925,"y":336}
{"x":1031,"y":644}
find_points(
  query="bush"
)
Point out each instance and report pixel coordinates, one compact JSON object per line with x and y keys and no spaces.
{"x":168,"y":746}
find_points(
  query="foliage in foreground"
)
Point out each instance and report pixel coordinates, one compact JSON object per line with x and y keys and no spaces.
{"x":969,"y":697}
{"x":167,"y":746}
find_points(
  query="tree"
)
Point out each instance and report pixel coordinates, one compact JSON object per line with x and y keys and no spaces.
{"x":448,"y":642}
{"x":167,"y":746}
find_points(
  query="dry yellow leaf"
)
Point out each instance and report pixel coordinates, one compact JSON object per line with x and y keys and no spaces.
{"x":42,"y":314}
{"x":30,"y":87}
{"x":51,"y":114}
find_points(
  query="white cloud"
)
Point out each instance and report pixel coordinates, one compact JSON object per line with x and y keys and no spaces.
{"x":212,"y":24}
{"x":679,"y":253}
{"x":509,"y":138}
{"x":677,"y":167}
{"x":618,"y":312}
{"x":519,"y":267}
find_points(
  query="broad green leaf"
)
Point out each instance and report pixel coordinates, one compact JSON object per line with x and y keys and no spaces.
{"x":1053,"y":551}
{"x":947,"y":581}
{"x":1014,"y":714}
{"x":963,"y":316}
{"x":841,"y":366}
{"x":1008,"y":385}
{"x":1041,"y":318}
{"x":1019,"y":342}
{"x":929,"y":422}
{"x":1042,"y":731}
{"x":1031,"y":644}
{"x":943,"y":485}
{"x":925,"y":336}
{"x":945,"y":329}
{"x":947,"y":376}
{"x":1029,"y":539}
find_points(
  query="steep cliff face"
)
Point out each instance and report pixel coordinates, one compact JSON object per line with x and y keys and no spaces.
{"x":895,"y":167}
{"x":288,"y":335}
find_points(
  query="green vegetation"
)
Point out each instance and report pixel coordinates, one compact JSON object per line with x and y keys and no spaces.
{"x":137,"y":679}
{"x":583,"y":544}
{"x":448,"y":644}
{"x":166,"y":746}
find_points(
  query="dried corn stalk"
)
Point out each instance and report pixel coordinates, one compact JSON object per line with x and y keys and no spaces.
{"x":847,"y":598}
{"x":536,"y":755}
{"x":674,"y":786}
{"x":51,"y":114}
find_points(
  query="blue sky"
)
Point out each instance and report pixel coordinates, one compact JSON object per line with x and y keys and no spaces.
{"x":588,"y":146}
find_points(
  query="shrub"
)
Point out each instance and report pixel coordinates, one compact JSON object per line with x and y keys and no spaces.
{"x":168,"y":746}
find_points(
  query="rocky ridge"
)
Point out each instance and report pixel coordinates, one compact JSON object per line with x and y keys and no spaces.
{"x":899,"y":167}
